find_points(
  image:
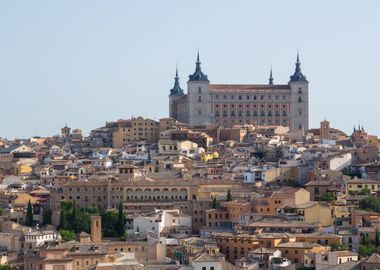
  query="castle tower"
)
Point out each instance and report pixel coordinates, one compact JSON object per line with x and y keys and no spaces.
{"x":175,"y":94}
{"x":299,"y":100}
{"x":198,"y":97}
{"x":324,"y":130}
{"x":96,"y":228}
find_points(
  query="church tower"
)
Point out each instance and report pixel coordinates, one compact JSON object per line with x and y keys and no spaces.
{"x":96,"y":228}
{"x":175,"y":94}
{"x":299,"y":100}
{"x":324,"y":130}
{"x":198,"y":97}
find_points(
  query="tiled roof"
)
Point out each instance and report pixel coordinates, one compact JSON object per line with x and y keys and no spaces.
{"x":297,"y":245}
{"x":374,"y":258}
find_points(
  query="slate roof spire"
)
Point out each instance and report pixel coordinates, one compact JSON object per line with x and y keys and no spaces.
{"x":176,"y":90}
{"x":298,"y":76}
{"x":198,"y":75}
{"x":270,"y":77}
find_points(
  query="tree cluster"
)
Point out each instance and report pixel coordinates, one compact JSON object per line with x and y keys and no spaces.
{"x":370,"y":202}
{"x":368,"y":247}
{"x":74,"y":220}
{"x":328,"y":197}
{"x":6,"y":267}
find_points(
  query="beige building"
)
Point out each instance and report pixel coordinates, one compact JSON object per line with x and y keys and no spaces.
{"x":234,"y":104}
{"x":134,"y":130}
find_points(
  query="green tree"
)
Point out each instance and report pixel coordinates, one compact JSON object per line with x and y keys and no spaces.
{"x":229,"y":196}
{"x":29,"y":215}
{"x":1,"y":211}
{"x":74,"y":217}
{"x":64,"y":220}
{"x":109,"y":223}
{"x":121,"y":221}
{"x":336,"y":246}
{"x":328,"y":197}
{"x":377,"y":239}
{"x":214,"y":204}
{"x":6,"y":267}
{"x":67,"y":235}
{"x":365,"y":251}
{"x":365,"y":191}
{"x":365,"y":241}
{"x":371,"y":203}
{"x":46,"y":216}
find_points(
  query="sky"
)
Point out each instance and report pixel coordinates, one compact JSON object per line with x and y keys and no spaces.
{"x":86,"y":63}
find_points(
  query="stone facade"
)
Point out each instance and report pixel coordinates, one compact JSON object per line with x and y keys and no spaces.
{"x":134,"y":130}
{"x":236,"y":104}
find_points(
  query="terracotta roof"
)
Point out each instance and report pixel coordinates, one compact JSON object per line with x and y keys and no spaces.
{"x":375,"y":258}
{"x":298,"y":245}
{"x":344,"y":253}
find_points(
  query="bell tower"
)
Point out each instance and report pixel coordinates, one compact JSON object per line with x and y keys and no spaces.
{"x":324,"y":130}
{"x":96,"y":228}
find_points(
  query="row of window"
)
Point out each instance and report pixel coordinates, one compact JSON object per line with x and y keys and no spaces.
{"x":254,"y":113}
{"x":254,"y":97}
{"x":253,"y":105}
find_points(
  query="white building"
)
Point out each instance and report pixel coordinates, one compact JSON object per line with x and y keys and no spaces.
{"x":37,"y":238}
{"x":160,"y":220}
{"x":329,"y":259}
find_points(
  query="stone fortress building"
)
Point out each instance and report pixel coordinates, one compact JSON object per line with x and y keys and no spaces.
{"x":237,"y":104}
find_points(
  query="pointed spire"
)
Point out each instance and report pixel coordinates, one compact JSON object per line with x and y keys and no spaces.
{"x":198,"y":75}
{"x":270,"y":76}
{"x":176,"y":90}
{"x":298,"y":63}
{"x":298,"y":57}
{"x":298,"y":76}
{"x":198,"y":63}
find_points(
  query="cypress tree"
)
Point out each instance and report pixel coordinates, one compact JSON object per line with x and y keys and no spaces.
{"x":74,"y":217}
{"x":214,"y":202}
{"x":29,"y":215}
{"x":120,"y":221}
{"x":229,"y":196}
{"x":46,"y":216}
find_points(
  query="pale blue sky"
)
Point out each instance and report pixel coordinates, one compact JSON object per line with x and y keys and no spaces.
{"x":88,"y":62}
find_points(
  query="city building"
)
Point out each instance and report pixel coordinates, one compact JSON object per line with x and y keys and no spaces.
{"x":234,"y":104}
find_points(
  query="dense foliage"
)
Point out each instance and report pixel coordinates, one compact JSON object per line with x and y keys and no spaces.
{"x":347,"y":172}
{"x":67,"y":235}
{"x":337,"y":247}
{"x":370,"y":203}
{"x":328,"y":197}
{"x":368,"y":247}
{"x":6,"y":267}
{"x":46,"y":216}
{"x":79,"y":220}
